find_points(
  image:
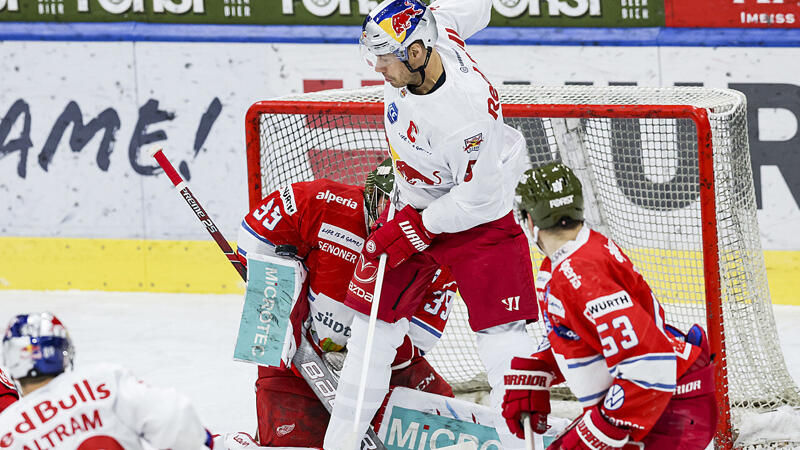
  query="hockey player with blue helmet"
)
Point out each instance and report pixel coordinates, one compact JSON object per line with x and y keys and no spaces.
{"x":97,"y":406}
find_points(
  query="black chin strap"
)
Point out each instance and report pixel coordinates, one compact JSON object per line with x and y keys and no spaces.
{"x":420,"y":70}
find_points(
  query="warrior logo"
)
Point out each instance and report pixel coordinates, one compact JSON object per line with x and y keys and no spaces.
{"x":413,"y":176}
{"x":401,"y":22}
{"x":412,"y":236}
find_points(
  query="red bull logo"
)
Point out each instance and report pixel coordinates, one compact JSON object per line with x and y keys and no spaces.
{"x":401,"y":22}
{"x":414,"y":177}
{"x":32,"y":350}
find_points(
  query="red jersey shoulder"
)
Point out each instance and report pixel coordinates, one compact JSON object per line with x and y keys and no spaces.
{"x":334,"y":218}
{"x":594,"y":259}
{"x":330,"y":194}
{"x":7,"y":386}
{"x":334,"y":204}
{"x":586,"y":273}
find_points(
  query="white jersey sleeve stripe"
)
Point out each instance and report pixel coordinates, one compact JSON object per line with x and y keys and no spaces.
{"x":657,"y":386}
{"x":584,"y":361}
{"x":426,"y":327}
{"x":591,"y":397}
{"x":466,"y":16}
{"x":654,"y":371}
{"x":251,"y":242}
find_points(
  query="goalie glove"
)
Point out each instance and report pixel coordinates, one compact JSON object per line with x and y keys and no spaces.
{"x":400,"y":238}
{"x":527,"y":392}
{"x":591,"y":432}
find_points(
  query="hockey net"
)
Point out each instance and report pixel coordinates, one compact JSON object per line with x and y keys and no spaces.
{"x":666,"y":174}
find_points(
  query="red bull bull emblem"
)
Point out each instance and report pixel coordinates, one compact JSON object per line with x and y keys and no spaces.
{"x":473,"y":144}
{"x":414,"y":177}
{"x":401,"y":22}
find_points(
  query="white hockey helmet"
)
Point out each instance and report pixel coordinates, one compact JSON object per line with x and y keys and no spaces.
{"x":392,"y":26}
{"x":37,"y":344}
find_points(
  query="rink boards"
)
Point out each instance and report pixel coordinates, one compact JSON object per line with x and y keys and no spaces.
{"x":94,"y":213}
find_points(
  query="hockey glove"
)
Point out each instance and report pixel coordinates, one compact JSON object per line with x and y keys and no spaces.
{"x":591,"y":432}
{"x":527,"y":391}
{"x":399,"y":238}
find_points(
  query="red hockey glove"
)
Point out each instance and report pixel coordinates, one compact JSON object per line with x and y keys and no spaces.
{"x":527,"y":391}
{"x":399,"y":238}
{"x":591,"y":432}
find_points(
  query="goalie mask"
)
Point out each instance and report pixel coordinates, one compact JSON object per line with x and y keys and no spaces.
{"x":378,"y":188}
{"x":550,"y":193}
{"x":37,"y":344}
{"x":392,"y":27}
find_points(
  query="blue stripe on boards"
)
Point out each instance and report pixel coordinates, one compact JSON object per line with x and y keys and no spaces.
{"x":347,"y":34}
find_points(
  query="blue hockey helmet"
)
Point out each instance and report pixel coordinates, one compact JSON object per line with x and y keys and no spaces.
{"x":37,"y":344}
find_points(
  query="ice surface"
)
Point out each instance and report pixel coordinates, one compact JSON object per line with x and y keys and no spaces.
{"x":186,"y":341}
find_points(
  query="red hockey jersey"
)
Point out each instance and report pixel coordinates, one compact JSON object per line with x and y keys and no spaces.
{"x":8,"y":391}
{"x":326,"y":222}
{"x":605,"y":333}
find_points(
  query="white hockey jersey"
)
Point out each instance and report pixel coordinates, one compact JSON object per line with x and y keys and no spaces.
{"x":102,"y":406}
{"x":454,"y":156}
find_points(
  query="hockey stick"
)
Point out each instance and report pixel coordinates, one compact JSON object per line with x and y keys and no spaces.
{"x":526,"y":425}
{"x":187,"y":195}
{"x":313,"y":369}
{"x":373,"y":319}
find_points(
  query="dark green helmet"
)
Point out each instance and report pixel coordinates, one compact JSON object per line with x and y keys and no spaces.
{"x":550,"y":193}
{"x":378,"y":187}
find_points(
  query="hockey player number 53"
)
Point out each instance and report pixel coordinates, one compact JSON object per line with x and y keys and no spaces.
{"x":273,"y":215}
{"x":629,"y":339}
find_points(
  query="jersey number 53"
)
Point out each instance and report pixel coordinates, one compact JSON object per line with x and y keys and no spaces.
{"x":629,"y":339}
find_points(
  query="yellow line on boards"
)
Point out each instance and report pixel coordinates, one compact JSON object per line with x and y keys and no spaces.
{"x":128,"y":265}
{"x":133,"y":265}
{"x":783,"y":273}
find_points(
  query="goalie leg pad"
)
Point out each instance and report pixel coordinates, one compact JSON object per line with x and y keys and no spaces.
{"x":271,"y":316}
{"x":420,"y":376}
{"x":288,"y":412}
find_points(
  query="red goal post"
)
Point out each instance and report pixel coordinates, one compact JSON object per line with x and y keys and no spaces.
{"x":652,"y":160}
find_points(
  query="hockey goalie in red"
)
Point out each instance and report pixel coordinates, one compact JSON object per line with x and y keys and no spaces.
{"x":325,"y":223}
{"x":641,"y":382}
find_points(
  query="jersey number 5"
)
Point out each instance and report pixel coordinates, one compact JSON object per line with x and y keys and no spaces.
{"x":629,"y":339}
{"x":270,"y":215}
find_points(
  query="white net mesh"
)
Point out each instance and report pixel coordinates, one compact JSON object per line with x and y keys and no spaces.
{"x":642,"y":188}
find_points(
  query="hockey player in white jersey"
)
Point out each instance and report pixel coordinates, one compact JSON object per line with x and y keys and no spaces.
{"x":96,"y":407}
{"x":457,"y":165}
